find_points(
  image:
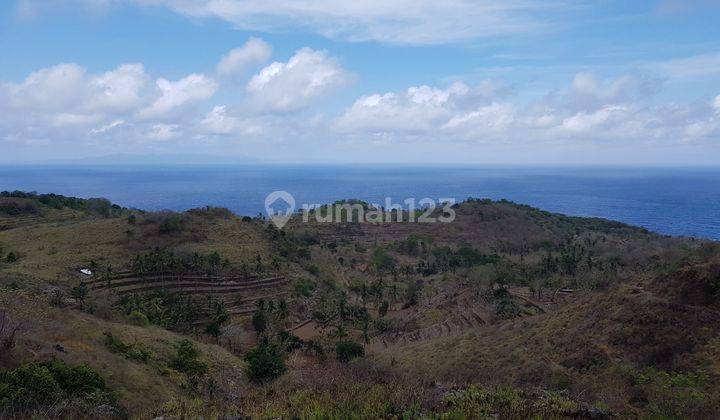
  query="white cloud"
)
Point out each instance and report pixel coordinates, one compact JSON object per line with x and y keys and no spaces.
{"x":218,"y":122}
{"x":493,"y":117}
{"x":589,"y":110}
{"x":254,"y":51}
{"x":54,"y":88}
{"x":397,"y":22}
{"x":119,"y":89}
{"x":692,"y":67}
{"x":188,"y":90}
{"x":416,"y":110}
{"x":163,"y":132}
{"x":107,"y":127}
{"x":64,"y":103}
{"x":589,"y":93}
{"x":306,"y":76}
{"x":583,"y":122}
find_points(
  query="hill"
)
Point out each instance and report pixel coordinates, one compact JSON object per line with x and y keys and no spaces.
{"x":508,"y":310}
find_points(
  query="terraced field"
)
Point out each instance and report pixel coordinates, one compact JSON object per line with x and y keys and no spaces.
{"x":14,"y":222}
{"x":469,"y":312}
{"x":239,"y":294}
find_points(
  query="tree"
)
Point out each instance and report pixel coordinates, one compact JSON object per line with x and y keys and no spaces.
{"x":259,"y":322}
{"x":79,"y":292}
{"x":384,"y":306}
{"x":213,"y":329}
{"x":186,"y":359}
{"x":265,"y":362}
{"x":347,"y":350}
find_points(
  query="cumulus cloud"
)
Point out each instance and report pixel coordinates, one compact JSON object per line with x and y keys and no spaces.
{"x":119,"y":89}
{"x":175,"y":95}
{"x":254,"y":51}
{"x":218,"y":122}
{"x":305,"y":77}
{"x":66,"y":103}
{"x":588,"y":110}
{"x":415,"y":110}
{"x":58,"y":87}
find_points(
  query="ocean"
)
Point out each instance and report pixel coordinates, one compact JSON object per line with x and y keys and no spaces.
{"x":673,"y":201}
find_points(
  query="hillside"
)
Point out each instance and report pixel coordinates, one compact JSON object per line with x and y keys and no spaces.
{"x":507,"y":311}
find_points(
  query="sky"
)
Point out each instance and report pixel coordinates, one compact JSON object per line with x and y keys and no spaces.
{"x":542,"y":82}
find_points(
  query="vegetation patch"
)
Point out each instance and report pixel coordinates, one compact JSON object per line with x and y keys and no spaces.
{"x":43,"y":384}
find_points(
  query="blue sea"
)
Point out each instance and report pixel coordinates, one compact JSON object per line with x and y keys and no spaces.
{"x":677,"y":201}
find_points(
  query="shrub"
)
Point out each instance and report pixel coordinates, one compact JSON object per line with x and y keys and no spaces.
{"x":384,"y":306}
{"x":172,"y":223}
{"x":265,"y":362}
{"x":505,"y":306}
{"x":79,"y":292}
{"x":130,"y":351}
{"x":28,"y":384}
{"x":139,"y":318}
{"x":259,"y":321}
{"x":40,"y":384}
{"x":347,"y":350}
{"x":476,"y":402}
{"x":15,"y":207}
{"x":382,"y":261}
{"x":313,"y":269}
{"x":213,"y":329}
{"x":412,"y":293}
{"x":75,"y":380}
{"x":11,"y":257}
{"x":186,"y":359}
{"x":304,"y":287}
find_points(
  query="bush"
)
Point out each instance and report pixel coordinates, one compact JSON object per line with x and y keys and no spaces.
{"x":382,"y":261}
{"x":130,"y":351}
{"x":31,"y":383}
{"x":79,"y":292}
{"x":259,"y":321}
{"x":139,"y":318}
{"x":505,"y":306}
{"x":265,"y":362}
{"x":347,"y":350}
{"x":313,"y":269}
{"x":11,"y":257}
{"x":304,"y":287}
{"x":40,"y":384}
{"x":476,"y":402}
{"x":213,"y":329}
{"x":173,"y":223}
{"x":16,"y":207}
{"x":384,"y":306}
{"x":186,"y":359}
{"x":75,"y":380}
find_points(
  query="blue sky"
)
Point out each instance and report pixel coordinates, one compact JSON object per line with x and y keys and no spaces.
{"x":520,"y":81}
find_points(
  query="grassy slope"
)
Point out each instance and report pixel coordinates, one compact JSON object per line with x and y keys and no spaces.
{"x":594,"y":347}
{"x":51,"y":251}
{"x":142,"y":387}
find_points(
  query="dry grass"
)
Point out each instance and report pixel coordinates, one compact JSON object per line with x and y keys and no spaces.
{"x":77,"y":337}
